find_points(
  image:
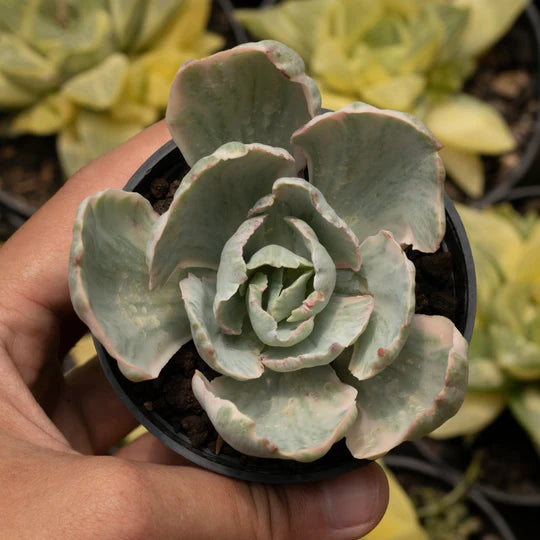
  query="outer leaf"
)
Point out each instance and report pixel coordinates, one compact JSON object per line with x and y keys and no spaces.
{"x":390,"y":277}
{"x":478,"y":411}
{"x":213,"y":200}
{"x":141,"y":329}
{"x":126,"y":16}
{"x":422,"y":388}
{"x":236,"y":356}
{"x":302,"y":200}
{"x":256,"y":92}
{"x":336,"y":327}
{"x":99,"y":87}
{"x":398,"y":188}
{"x":470,"y":125}
{"x":272,"y":416}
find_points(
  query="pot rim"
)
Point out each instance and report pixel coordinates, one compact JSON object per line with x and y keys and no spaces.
{"x":338,"y":460}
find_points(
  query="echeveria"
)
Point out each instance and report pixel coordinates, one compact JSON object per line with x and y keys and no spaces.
{"x":298,"y":292}
{"x":505,"y":346}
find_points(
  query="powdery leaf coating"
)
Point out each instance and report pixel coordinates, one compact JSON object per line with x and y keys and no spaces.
{"x":302,"y":200}
{"x":236,"y":356}
{"x":225,"y":185}
{"x":378,"y":169}
{"x":272,"y":416}
{"x":390,"y":279}
{"x":424,"y":386}
{"x":108,"y":281}
{"x":336,"y":327}
{"x":256,"y":92}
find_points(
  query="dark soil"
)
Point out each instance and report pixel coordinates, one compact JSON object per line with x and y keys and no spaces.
{"x":171,"y":395}
{"x":509,"y":460}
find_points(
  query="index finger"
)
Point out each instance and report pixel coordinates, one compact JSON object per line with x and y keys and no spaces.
{"x":34,"y":261}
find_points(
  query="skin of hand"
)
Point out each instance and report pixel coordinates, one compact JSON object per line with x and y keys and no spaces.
{"x":56,"y":482}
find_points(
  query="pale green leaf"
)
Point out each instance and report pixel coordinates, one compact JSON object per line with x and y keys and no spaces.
{"x":272,"y":416}
{"x":390,"y":279}
{"x":140,"y":328}
{"x":398,"y":188}
{"x":235,"y":356}
{"x":256,"y":92}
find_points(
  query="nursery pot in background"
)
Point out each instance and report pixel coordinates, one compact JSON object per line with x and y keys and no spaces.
{"x":413,"y":473}
{"x":167,"y":164}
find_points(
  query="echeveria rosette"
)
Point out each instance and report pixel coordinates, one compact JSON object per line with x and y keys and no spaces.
{"x":297,"y":292}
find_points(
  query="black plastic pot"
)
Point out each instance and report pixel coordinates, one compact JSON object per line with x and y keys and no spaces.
{"x":168,"y":163}
{"x":431,"y":475}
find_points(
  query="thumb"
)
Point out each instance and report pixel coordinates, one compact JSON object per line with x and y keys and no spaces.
{"x":197,"y":504}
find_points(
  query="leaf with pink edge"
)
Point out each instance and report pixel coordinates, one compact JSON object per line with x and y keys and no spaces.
{"x":256,"y":92}
{"x":270,"y":417}
{"x":213,"y":199}
{"x":336,"y":327}
{"x":378,"y":169}
{"x":390,"y":278}
{"x":423,"y":387}
{"x":236,"y":356}
{"x":108,"y":280}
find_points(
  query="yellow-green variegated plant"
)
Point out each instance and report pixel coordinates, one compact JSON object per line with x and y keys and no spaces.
{"x":95,"y":72}
{"x":409,"y":55}
{"x":505,"y":348}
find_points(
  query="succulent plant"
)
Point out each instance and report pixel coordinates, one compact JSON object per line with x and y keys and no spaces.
{"x":93,"y":71}
{"x":505,"y":347}
{"x":297,"y":292}
{"x":413,"y":56}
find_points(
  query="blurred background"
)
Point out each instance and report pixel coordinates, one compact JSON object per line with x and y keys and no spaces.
{"x":79,"y":77}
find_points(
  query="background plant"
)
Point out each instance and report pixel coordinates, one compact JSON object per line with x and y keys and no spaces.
{"x":95,"y":72}
{"x":505,"y":348}
{"x":409,"y":55}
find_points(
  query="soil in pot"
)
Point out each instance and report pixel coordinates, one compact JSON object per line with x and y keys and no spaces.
{"x":171,"y":396}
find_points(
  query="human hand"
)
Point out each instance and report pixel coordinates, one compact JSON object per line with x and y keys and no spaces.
{"x":54,"y":430}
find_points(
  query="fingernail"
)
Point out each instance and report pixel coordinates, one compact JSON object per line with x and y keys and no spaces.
{"x":355,"y":502}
